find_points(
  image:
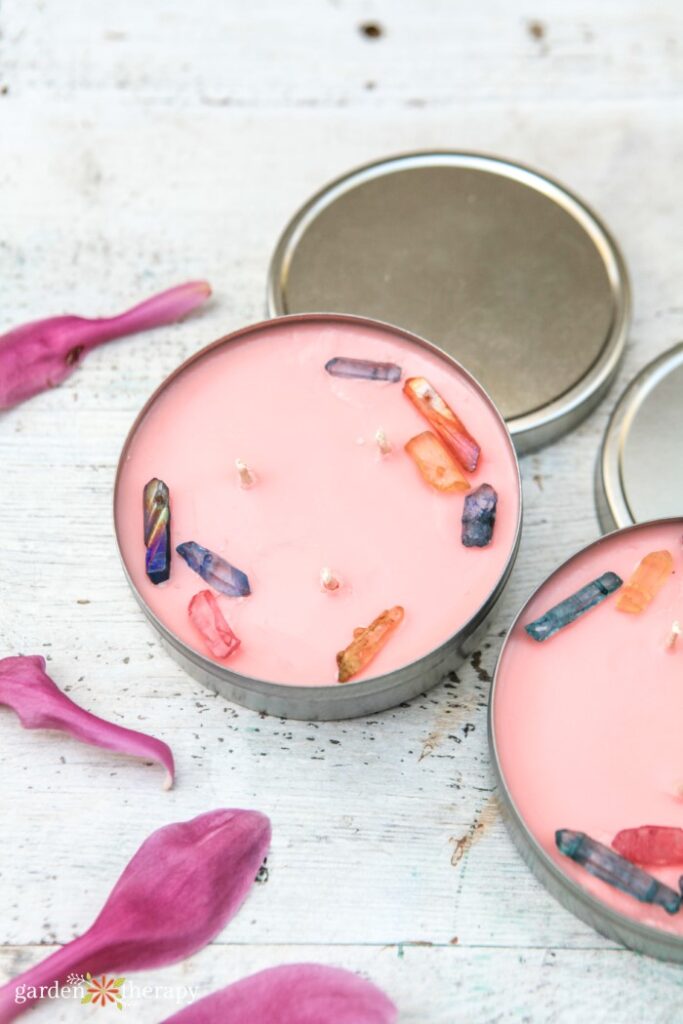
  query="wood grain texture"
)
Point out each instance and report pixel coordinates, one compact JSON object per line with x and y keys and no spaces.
{"x":145,"y":144}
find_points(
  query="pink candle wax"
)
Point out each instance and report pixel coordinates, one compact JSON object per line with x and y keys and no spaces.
{"x":587,"y":723}
{"x":324,"y":496}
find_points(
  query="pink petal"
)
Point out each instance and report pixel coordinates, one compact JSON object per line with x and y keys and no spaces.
{"x":182,"y":886}
{"x":42,"y":354}
{"x":296,"y":994}
{"x":40,"y":704}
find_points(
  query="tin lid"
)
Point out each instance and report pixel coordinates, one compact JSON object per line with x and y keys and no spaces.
{"x":639,"y":474}
{"x":498,"y":265}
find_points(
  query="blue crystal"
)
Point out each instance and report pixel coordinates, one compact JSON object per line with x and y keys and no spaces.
{"x":573,"y":607}
{"x":614,"y":869}
{"x":157,"y":530}
{"x":218,"y":573}
{"x":479,"y":516}
{"x":368,"y":369}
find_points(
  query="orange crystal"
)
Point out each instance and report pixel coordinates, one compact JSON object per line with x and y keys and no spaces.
{"x":435,"y":462}
{"x":646,"y":582}
{"x":443,"y":420}
{"x":367,"y":642}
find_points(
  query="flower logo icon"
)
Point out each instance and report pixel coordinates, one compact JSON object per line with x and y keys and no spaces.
{"x":103,"y":991}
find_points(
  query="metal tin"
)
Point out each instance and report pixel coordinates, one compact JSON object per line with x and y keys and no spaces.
{"x":353,"y":699}
{"x":500,"y":266}
{"x":638,"y":474}
{"x":613,"y":925}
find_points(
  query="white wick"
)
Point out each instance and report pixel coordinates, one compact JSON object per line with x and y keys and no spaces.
{"x":674,"y":634}
{"x":247,"y":478}
{"x":328,"y":581}
{"x":382,"y":442}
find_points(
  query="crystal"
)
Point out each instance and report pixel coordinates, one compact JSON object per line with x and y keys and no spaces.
{"x":367,"y":369}
{"x":367,"y":642}
{"x":646,"y":582}
{"x":382,"y":441}
{"x":479,"y":517}
{"x":328,"y":581}
{"x":218,"y":573}
{"x":573,"y":607}
{"x":157,"y":530}
{"x":208,"y":619}
{"x":443,"y":420}
{"x":614,"y":869}
{"x":660,"y":845}
{"x":436,"y":464}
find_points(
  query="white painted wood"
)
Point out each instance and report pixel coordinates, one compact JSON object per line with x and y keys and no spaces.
{"x":144,"y":144}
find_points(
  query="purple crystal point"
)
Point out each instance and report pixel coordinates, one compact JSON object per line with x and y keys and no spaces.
{"x":479,"y":516}
{"x":218,"y":573}
{"x":614,"y":869}
{"x":157,"y":530}
{"x":367,"y":369}
{"x":574,"y":606}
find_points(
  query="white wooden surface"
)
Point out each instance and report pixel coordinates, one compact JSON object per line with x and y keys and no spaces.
{"x":142,"y":144}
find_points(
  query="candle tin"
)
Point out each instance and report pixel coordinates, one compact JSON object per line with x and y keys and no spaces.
{"x":352,"y":699}
{"x":638,"y":470}
{"x":500,"y":266}
{"x":614,"y":925}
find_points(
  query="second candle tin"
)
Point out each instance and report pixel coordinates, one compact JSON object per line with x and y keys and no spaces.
{"x":324,"y":495}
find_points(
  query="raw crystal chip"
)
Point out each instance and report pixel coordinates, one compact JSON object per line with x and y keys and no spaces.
{"x":208,"y":619}
{"x":479,"y":517}
{"x":614,"y":869}
{"x":573,"y":607}
{"x":435,"y":462}
{"x":218,"y":573}
{"x":367,"y":369}
{"x":648,"y":579}
{"x":650,"y":844}
{"x":443,"y":420}
{"x":157,"y":530}
{"x":367,"y":642}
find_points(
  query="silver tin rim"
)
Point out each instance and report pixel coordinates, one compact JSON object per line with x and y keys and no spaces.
{"x":612,"y":505}
{"x":325,"y":702}
{"x":613,"y":925}
{"x":539,"y":427}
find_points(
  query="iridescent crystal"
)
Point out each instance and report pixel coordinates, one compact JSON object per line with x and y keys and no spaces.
{"x":367,"y":369}
{"x":367,"y":642}
{"x":436,"y":464}
{"x":208,"y":619}
{"x":659,"y":845}
{"x":479,"y":517}
{"x":443,"y":420}
{"x":648,"y":579}
{"x":218,"y":573}
{"x":573,"y":607}
{"x":157,"y":530}
{"x":614,"y":869}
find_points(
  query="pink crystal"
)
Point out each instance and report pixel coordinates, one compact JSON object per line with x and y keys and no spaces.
{"x":208,"y":619}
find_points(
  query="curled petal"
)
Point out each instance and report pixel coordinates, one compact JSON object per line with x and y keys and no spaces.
{"x":182,"y":886}
{"x":296,"y":994}
{"x":42,"y":354}
{"x":40,"y":704}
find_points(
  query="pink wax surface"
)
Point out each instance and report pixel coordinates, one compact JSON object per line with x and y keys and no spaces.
{"x":324,"y":497}
{"x":588,"y":723}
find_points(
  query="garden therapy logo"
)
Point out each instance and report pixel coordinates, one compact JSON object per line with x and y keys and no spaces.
{"x":103,"y":991}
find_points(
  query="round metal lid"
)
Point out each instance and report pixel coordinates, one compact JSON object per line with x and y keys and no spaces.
{"x":501,"y":267}
{"x":640,"y":469}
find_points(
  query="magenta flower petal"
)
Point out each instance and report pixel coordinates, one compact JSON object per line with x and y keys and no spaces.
{"x":293,"y":994}
{"x":182,"y":886}
{"x":40,"y":704}
{"x":42,"y":354}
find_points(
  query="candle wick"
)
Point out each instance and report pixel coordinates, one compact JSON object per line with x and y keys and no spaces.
{"x":382,"y":441}
{"x":247,"y":478}
{"x":328,"y":581}
{"x":674,"y":634}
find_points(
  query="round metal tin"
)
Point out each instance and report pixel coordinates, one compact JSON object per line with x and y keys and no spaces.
{"x":638,"y":474}
{"x":618,"y":927}
{"x":501,"y":267}
{"x":353,"y":699}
